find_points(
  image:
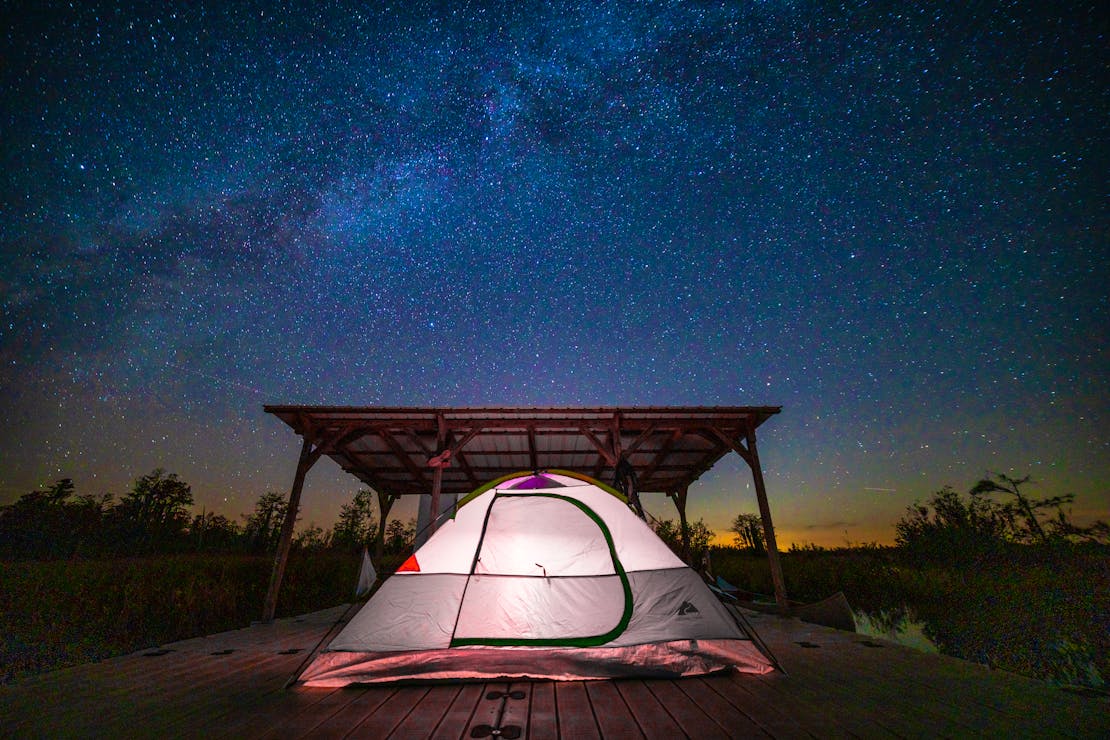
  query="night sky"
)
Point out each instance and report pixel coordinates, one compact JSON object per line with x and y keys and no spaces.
{"x":890,"y":220}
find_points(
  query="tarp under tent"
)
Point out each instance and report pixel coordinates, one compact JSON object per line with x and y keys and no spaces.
{"x":539,"y":575}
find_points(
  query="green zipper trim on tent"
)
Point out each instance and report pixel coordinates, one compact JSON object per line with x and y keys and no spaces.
{"x":589,"y":641}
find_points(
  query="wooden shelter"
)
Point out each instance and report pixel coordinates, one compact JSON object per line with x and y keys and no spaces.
{"x":437,"y":451}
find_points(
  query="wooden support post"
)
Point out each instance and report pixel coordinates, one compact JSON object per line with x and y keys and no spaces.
{"x":303,"y":464}
{"x":768,"y":526}
{"x":385,"y":503}
{"x":438,"y":463}
{"x":433,"y":514}
{"x":629,"y":481}
{"x":679,"y":497}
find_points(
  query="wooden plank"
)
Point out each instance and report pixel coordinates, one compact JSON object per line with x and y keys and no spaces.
{"x":487,"y":709}
{"x":732,"y":718}
{"x":868,"y":679}
{"x":652,"y":717}
{"x":576,"y":716}
{"x":879,"y":694}
{"x":951,"y":693}
{"x":427,"y":715}
{"x":709,"y":707}
{"x":689,"y":717}
{"x":543,"y":720}
{"x":364,"y":703}
{"x":821,"y":707}
{"x":458,"y":716}
{"x":386,"y":717}
{"x":967,"y":694}
{"x":614,"y":719}
{"x":818,"y":695}
{"x":141,"y":697}
{"x":283,"y":713}
{"x":129,"y":678}
{"x":769,"y":715}
{"x":814,"y":713}
{"x":207,"y":697}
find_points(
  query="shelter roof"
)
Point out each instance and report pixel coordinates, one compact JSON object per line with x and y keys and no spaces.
{"x":395,"y":450}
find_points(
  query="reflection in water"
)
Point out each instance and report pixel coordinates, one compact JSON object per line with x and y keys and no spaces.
{"x":898,"y":625}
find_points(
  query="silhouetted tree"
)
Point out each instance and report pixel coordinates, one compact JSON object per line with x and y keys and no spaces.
{"x":262,"y":528}
{"x":697,"y":533}
{"x":52,"y":523}
{"x":399,"y":535}
{"x":949,"y":527}
{"x":214,"y":532}
{"x":748,"y":529}
{"x":1062,"y":527}
{"x":357,"y":525}
{"x":1022,"y":506}
{"x":312,"y":538}
{"x":154,"y":514}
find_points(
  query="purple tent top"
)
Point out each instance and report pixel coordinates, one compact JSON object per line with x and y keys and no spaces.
{"x":537,"y":481}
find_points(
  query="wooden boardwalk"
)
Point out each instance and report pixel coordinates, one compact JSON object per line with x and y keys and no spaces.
{"x":836,"y":684}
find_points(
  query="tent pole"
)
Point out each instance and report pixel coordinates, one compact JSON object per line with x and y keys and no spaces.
{"x":768,"y":526}
{"x":303,"y":464}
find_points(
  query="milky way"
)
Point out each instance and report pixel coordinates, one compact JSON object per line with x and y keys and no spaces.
{"x":890,"y":220}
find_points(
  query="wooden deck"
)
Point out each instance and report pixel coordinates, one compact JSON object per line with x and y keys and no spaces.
{"x":835,"y":684}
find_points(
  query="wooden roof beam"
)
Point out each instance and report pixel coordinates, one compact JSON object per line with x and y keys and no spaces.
{"x":456,"y":453}
{"x":733,"y":444}
{"x":605,"y":452}
{"x":660,"y":456}
{"x":403,"y":456}
{"x":643,"y":437}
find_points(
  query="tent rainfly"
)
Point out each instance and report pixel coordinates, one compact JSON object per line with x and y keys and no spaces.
{"x":539,"y":575}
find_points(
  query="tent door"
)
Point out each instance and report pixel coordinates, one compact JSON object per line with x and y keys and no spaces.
{"x":546,"y":574}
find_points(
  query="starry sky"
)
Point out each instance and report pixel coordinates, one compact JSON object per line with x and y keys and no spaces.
{"x":888,"y":218}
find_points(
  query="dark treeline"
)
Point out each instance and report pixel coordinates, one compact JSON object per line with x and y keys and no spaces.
{"x":157,"y":516}
{"x":996,"y":516}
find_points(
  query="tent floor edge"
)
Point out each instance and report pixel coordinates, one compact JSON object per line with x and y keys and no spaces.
{"x":669,"y":660}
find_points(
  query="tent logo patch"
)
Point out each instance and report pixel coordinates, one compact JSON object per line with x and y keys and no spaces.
{"x":687,"y":608}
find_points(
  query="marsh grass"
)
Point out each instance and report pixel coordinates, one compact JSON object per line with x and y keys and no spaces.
{"x":1040,"y":611}
{"x":1043,"y":612}
{"x":59,"y":613}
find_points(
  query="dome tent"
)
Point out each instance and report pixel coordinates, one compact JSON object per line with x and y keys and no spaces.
{"x":539,"y":575}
